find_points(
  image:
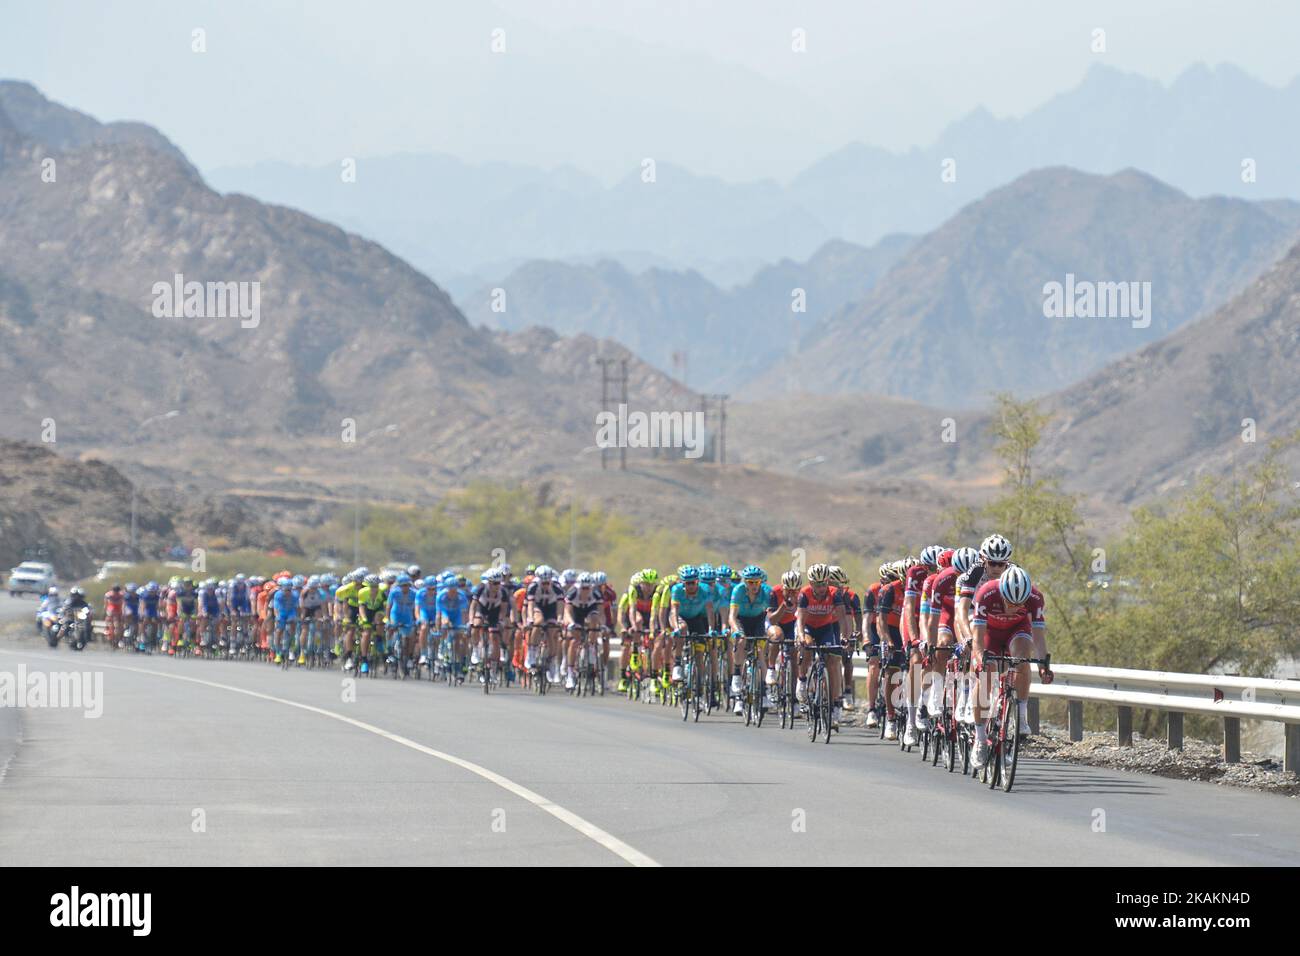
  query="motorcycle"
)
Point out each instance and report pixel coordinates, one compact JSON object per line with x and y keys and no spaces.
{"x":74,"y":627}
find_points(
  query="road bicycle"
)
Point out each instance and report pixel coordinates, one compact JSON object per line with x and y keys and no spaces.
{"x":817,"y":689}
{"x":1003,"y":725}
{"x":754,"y":701}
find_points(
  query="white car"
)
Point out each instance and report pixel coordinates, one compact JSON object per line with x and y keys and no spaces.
{"x":112,"y":569}
{"x":35,"y":577}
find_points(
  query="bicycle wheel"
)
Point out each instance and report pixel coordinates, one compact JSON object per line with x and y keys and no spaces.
{"x":827,"y":705}
{"x":697,"y":692}
{"x":812,"y":688}
{"x":1010,"y":748}
{"x":748,"y":703}
{"x":685,"y":695}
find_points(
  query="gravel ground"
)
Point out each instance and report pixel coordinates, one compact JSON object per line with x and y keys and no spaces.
{"x":1198,"y":760}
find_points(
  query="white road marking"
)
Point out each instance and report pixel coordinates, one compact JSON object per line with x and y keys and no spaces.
{"x":588,"y":829}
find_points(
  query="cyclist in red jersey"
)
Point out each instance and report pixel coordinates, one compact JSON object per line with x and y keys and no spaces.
{"x":820,"y":619}
{"x":915,"y":633}
{"x":782,"y":613}
{"x":1005,"y":614}
{"x":871,"y":636}
{"x":889,"y":615}
{"x":114,"y":599}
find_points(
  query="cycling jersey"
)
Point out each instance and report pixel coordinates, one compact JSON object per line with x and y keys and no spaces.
{"x":751,"y":607}
{"x":943,"y":594}
{"x":285,"y":604}
{"x":820,"y":611}
{"x":544,"y":593}
{"x":347,"y":593}
{"x":489,"y":597}
{"x":453,"y":607}
{"x":401,"y":607}
{"x":690,"y":605}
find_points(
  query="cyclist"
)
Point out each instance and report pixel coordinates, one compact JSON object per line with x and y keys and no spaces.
{"x":452,"y":612}
{"x":1005,"y":610}
{"x":889,"y":613}
{"x":543,"y":600}
{"x":748,"y":606}
{"x":371,"y":605}
{"x":819,"y":620}
{"x":689,"y":612}
{"x":489,"y":605}
{"x":113,"y":615}
{"x":583,"y":607}
{"x":853,"y":615}
{"x":401,"y":617}
{"x":634,"y":609}
{"x":284,"y":608}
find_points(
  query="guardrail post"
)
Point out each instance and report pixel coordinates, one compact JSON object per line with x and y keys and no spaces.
{"x":1175,"y":730}
{"x":1232,"y":740}
{"x":1074,"y":719}
{"x":1124,"y":726}
{"x":1032,"y":711}
{"x":1291,"y":752}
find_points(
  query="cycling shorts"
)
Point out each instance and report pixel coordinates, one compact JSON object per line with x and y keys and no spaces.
{"x":824,"y":634}
{"x":754,"y":625}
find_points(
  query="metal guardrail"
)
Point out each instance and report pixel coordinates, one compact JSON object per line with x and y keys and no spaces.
{"x":1229,"y":698}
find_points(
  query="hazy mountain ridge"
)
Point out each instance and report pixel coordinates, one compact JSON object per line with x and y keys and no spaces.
{"x":728,"y":335}
{"x":980,"y":278}
{"x":417,"y":205}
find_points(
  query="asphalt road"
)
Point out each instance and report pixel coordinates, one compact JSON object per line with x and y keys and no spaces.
{"x":199,"y":762}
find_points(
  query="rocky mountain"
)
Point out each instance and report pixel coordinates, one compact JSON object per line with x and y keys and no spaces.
{"x":727,"y":334}
{"x":964,"y":312}
{"x":1151,"y":422}
{"x":449,"y":218}
{"x":78,"y":513}
{"x":346,"y":337}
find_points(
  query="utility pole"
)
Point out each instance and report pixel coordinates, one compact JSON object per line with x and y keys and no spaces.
{"x":604,"y":398}
{"x":722,"y":429}
{"x":622,"y":449}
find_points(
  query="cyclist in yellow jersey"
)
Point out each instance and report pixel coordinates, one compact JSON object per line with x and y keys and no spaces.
{"x":345,"y":600}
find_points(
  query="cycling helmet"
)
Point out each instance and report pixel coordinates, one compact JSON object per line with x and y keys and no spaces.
{"x":285,"y":582}
{"x":462,"y":580}
{"x":78,"y":592}
{"x":688,"y":572}
{"x":1014,"y":585}
{"x":530,"y":569}
{"x":750,"y":572}
{"x":963,"y":559}
{"x":819,"y":574}
{"x":650,"y":575}
{"x":569,"y":575}
{"x":945,"y":559}
{"x":403,"y":579}
{"x":240,"y":577}
{"x":884,"y":571}
{"x":390,"y":578}
{"x":188,"y":582}
{"x":585,"y":580}
{"x":724,"y":572}
{"x":430,"y":581}
{"x":53,"y":592}
{"x":792,"y":580}
{"x":838,"y":577}
{"x":637,"y":579}
{"x":995,"y":548}
{"x":599,"y":577}
{"x":372,"y":579}
{"x":413,"y":571}
{"x":516,"y":583}
{"x":130,"y":588}
{"x":545,"y":572}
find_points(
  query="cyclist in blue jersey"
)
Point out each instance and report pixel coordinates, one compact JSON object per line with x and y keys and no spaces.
{"x":401,"y":615}
{"x":284,"y":605}
{"x":689,"y":612}
{"x":748,"y":620}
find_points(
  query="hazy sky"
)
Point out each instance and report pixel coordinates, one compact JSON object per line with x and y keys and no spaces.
{"x":600,"y":84}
